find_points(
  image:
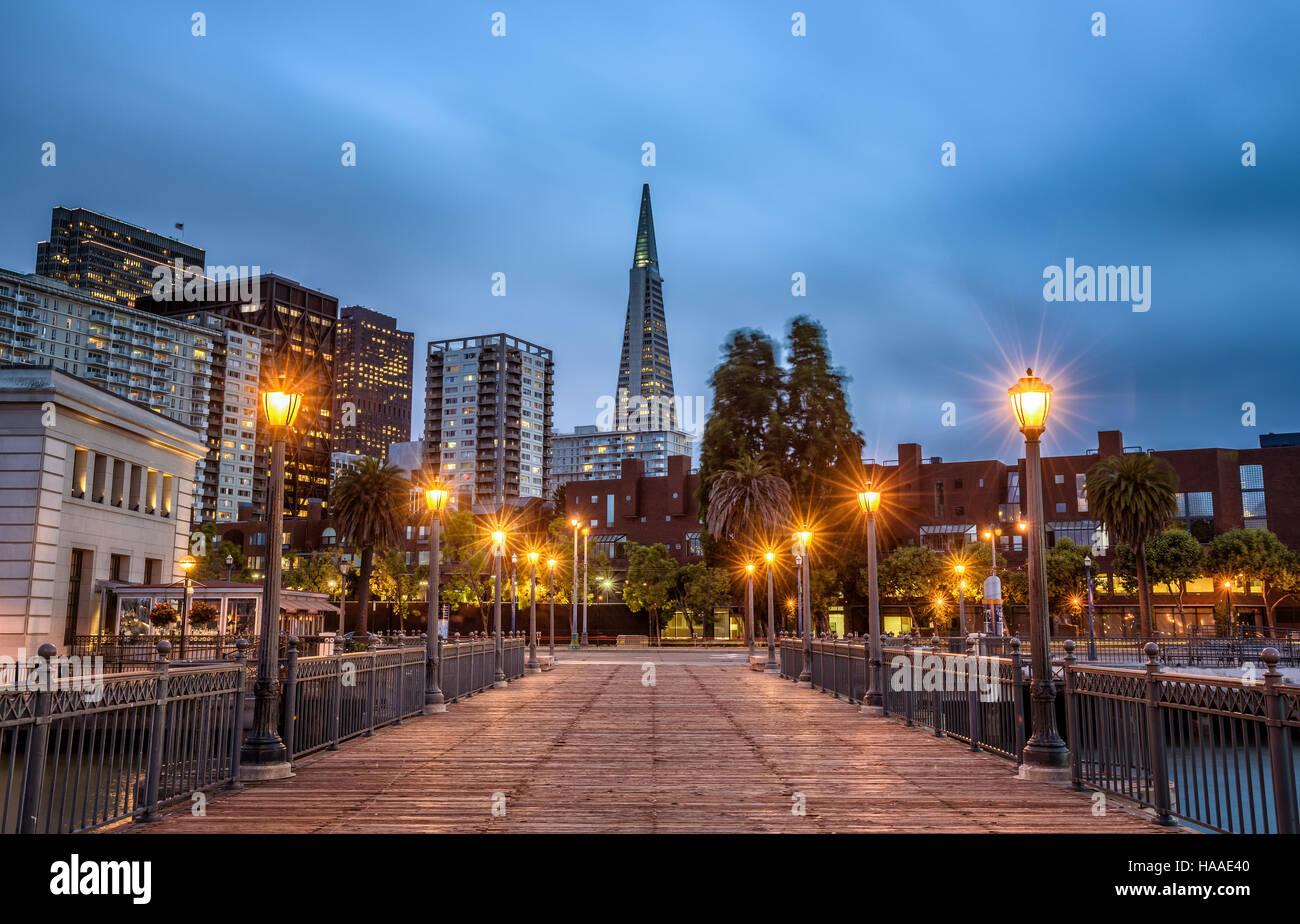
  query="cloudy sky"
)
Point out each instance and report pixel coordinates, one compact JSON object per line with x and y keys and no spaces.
{"x":775,"y":154}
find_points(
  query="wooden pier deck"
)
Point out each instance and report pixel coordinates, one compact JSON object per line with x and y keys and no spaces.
{"x":710,"y":747}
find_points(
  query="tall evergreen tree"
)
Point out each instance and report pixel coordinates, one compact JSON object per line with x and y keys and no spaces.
{"x":746,"y":398}
{"x":816,"y":428}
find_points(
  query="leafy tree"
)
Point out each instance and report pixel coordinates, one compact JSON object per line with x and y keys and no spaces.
{"x":704,"y":589}
{"x":212,"y":565}
{"x":395,"y":582}
{"x":370,"y":503}
{"x":909,"y":574}
{"x":1134,"y":495}
{"x":1256,"y":555}
{"x":1173,"y":558}
{"x":314,"y":573}
{"x":1066,"y":575}
{"x":746,"y":396}
{"x":652,"y":575}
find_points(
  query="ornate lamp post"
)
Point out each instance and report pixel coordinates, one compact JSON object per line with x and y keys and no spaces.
{"x":499,"y":652}
{"x":802,"y":539}
{"x":771,"y":667}
{"x":749,"y":606}
{"x":263,"y":756}
{"x":1092,"y":637}
{"x":585,"y":533}
{"x":1045,"y":754}
{"x":961,"y":596}
{"x":550,"y":566}
{"x":435,"y":499}
{"x":534,"y":666}
{"x":230,"y":565}
{"x":345,"y":565}
{"x":573,"y":621}
{"x":991,"y":534}
{"x":873,"y":704}
{"x":188,"y":564}
{"x":1232,"y":622}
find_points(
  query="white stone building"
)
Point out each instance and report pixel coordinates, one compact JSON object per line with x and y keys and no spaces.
{"x":93,"y":488}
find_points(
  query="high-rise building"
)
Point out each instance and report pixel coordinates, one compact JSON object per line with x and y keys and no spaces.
{"x":373,"y":362}
{"x":645,"y":372}
{"x":295,"y":328}
{"x":161,"y":363}
{"x":110,"y":260}
{"x":591,"y":454}
{"x":646,"y":417}
{"x":487,"y":418}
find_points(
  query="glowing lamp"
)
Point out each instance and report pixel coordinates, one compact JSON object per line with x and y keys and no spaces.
{"x":868,"y":499}
{"x":532,"y":558}
{"x":435,"y":497}
{"x":770,"y":556}
{"x":188,"y":563}
{"x":281,"y":407}
{"x":750,"y":567}
{"x":1031,"y":400}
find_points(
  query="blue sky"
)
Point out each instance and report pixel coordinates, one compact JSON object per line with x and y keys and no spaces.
{"x":775,"y":154}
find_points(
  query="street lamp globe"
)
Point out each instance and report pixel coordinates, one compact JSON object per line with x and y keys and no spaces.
{"x":281,"y":406}
{"x":1031,"y":400}
{"x":869,"y":499}
{"x":770,"y":556}
{"x":435,"y":497}
{"x":188,"y":563}
{"x":532,"y":557}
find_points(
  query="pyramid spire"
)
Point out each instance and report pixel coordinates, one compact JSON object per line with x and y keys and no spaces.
{"x":645,"y":254}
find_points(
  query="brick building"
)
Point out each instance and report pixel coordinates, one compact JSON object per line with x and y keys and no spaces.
{"x":639,"y":508}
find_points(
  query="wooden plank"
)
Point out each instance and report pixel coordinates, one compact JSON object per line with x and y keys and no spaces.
{"x":710,"y":747}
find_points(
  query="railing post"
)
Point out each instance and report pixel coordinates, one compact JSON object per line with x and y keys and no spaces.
{"x":289,"y":701}
{"x":153,"y":778}
{"x":882,"y":677}
{"x":1018,"y":695}
{"x":1156,"y":737}
{"x":907,"y":684}
{"x":1072,"y":733}
{"x":34,"y":767}
{"x":1279,"y":747}
{"x":336,"y":703}
{"x":370,"y":693}
{"x":938,"y":694}
{"x":973,"y":690}
{"x":401,"y":670}
{"x":237,"y":725}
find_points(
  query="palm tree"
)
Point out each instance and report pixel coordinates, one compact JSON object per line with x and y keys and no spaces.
{"x":1134,"y":496}
{"x":370,"y":505}
{"x":747,"y":498}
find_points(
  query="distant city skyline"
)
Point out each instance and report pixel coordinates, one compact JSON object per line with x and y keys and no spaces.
{"x":774,"y":155}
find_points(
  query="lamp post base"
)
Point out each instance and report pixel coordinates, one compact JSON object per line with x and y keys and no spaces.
{"x":257,"y":773}
{"x":500,"y":684}
{"x":872,"y":709}
{"x":535,"y":668}
{"x":773,"y":666}
{"x":432,"y":708}
{"x":1040,"y":773}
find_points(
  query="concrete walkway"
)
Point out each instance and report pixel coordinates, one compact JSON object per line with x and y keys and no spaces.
{"x":651,"y":741}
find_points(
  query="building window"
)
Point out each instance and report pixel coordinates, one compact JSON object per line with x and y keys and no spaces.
{"x":79,"y":473}
{"x":1081,"y":493}
{"x":694,"y":547}
{"x":1195,"y":513}
{"x":938,"y":498}
{"x":1060,"y":479}
{"x":118,"y":567}
{"x":1254,"y":514}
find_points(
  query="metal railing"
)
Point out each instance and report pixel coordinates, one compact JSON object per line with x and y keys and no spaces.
{"x":1219,"y":753}
{"x":76,"y":753}
{"x":1185,"y":650}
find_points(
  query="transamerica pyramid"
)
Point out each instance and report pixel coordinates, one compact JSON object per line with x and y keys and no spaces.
{"x":645,"y":372}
